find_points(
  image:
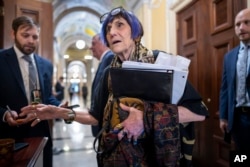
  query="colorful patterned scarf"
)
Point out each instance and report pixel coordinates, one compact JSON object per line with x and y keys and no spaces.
{"x":160,"y":148}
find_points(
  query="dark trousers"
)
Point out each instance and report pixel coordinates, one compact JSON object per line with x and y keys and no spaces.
{"x":241,"y":130}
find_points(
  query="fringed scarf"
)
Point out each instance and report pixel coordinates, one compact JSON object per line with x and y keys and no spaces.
{"x":141,"y":54}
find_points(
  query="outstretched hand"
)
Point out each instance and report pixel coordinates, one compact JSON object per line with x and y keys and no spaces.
{"x":40,"y":112}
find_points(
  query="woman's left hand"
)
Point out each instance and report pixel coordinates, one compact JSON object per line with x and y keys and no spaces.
{"x":133,"y":126}
{"x":40,"y":112}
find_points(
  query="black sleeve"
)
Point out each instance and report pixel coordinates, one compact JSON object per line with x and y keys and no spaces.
{"x":191,"y":98}
{"x":100,"y":97}
{"x":193,"y":101}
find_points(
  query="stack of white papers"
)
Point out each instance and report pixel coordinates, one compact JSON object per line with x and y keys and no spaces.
{"x":163,"y":63}
{"x":179,"y":62}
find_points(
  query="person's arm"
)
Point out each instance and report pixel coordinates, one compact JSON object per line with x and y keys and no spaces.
{"x":47,"y":112}
{"x":223,"y":107}
{"x":100,"y":97}
{"x":92,"y":117}
{"x":191,"y":107}
{"x":185,"y":115}
{"x":223,"y":125}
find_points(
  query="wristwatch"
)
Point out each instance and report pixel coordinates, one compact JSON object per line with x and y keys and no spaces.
{"x":72,"y":116}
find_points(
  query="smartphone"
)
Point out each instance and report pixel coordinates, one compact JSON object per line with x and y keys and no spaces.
{"x":73,"y":106}
{"x":227,"y":137}
{"x":19,"y":146}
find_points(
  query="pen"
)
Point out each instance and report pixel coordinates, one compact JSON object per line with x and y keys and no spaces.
{"x":9,"y":110}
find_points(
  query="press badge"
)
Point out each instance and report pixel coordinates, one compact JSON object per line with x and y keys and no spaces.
{"x":36,"y":96}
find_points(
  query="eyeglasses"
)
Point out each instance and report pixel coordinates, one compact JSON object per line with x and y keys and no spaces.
{"x":113,"y":12}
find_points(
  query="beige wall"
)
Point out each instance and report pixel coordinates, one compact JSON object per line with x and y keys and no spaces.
{"x":159,"y":22}
{"x":159,"y":26}
{"x":144,"y":16}
{"x":154,"y":22}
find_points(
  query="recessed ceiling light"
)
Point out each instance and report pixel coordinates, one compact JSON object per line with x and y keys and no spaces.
{"x":66,"y":56}
{"x":80,"y":44}
{"x":88,"y":57}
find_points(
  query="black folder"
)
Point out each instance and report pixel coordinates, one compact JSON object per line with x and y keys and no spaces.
{"x":150,"y":85}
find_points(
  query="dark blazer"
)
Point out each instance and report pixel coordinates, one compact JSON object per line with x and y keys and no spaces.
{"x":228,"y":87}
{"x":106,"y":60}
{"x":12,"y":93}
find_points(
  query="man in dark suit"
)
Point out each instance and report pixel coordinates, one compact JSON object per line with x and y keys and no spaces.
{"x":15,"y":86}
{"x":105,"y":56}
{"x":85,"y":94}
{"x":59,"y":88}
{"x":234,"y":98}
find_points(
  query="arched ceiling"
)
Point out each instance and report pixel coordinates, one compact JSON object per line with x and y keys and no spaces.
{"x":79,"y":19}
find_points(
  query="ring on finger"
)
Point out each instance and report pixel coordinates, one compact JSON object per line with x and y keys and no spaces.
{"x":119,"y":126}
{"x":38,"y":119}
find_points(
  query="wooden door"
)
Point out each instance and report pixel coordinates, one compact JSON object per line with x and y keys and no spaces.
{"x":205,"y":34}
{"x":39,"y":11}
{"x":1,"y":23}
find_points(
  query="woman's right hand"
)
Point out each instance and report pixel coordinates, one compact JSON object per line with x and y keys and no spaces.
{"x":133,"y":126}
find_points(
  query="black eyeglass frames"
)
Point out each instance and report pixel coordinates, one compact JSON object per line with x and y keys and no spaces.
{"x":113,"y":12}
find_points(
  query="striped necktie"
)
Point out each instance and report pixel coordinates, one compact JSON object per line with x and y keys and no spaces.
{"x":32,"y":74}
{"x":242,"y":77}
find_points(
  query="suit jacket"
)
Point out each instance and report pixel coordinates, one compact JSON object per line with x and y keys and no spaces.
{"x":228,"y":87}
{"x":107,"y":58}
{"x":12,"y":93}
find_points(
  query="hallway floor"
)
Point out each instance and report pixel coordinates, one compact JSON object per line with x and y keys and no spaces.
{"x":73,"y":143}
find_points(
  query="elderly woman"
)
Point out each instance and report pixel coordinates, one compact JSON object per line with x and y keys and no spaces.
{"x":128,"y":136}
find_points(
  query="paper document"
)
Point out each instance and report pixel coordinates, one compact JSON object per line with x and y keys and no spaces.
{"x":144,"y":66}
{"x":163,"y":63}
{"x":179,"y":62}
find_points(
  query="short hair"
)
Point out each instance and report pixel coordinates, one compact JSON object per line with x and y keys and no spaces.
{"x":23,"y":21}
{"x":133,"y":21}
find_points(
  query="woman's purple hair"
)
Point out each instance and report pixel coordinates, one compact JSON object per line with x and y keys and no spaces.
{"x":135,"y":25}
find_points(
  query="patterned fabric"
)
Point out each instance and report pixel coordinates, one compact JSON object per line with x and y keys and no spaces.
{"x":162,"y":127}
{"x":158,"y":146}
{"x":187,"y":136}
{"x":242,"y":73}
